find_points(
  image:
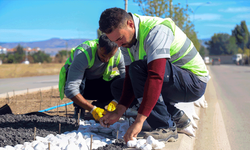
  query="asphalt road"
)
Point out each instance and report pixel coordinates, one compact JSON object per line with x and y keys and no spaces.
{"x":24,"y":83}
{"x":225,"y":123}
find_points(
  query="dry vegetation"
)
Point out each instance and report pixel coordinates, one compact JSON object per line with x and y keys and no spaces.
{"x":32,"y":102}
{"x":35,"y":101}
{"x":23,"y":70}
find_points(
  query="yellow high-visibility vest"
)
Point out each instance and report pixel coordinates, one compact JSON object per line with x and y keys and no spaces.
{"x":108,"y":74}
{"x":182,"y":51}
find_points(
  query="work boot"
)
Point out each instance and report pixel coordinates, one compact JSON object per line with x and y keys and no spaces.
{"x":162,"y":134}
{"x":181,"y":119}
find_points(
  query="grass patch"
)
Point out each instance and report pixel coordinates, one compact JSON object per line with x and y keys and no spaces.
{"x":23,"y":70}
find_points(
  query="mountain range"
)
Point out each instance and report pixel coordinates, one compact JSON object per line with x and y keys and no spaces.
{"x":51,"y":46}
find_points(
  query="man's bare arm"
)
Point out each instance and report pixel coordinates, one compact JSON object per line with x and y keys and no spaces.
{"x":82,"y":102}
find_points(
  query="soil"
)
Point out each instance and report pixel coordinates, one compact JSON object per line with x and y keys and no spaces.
{"x":25,"y":121}
{"x":18,"y":126}
{"x":17,"y":129}
{"x":33,"y":102}
{"x":118,"y":145}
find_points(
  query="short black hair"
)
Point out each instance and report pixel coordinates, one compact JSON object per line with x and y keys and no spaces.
{"x":112,"y":18}
{"x":105,"y":42}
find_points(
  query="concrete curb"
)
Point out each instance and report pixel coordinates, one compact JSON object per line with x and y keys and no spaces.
{"x":184,"y":141}
{"x":10,"y":94}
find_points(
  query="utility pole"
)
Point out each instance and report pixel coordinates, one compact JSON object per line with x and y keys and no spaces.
{"x":170,"y":8}
{"x":126,"y":5}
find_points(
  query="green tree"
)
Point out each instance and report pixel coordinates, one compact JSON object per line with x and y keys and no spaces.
{"x":10,"y":58}
{"x":62,"y":56}
{"x":64,"y":53}
{"x":165,"y":9}
{"x":40,"y":56}
{"x":202,"y":51}
{"x":155,"y":7}
{"x":240,"y":51}
{"x":241,"y":34}
{"x":2,"y":56}
{"x":19,"y":50}
{"x":248,"y":43}
{"x":232,"y":46}
{"x":19,"y":54}
{"x":99,"y":33}
{"x":222,"y":44}
{"x":247,"y":52}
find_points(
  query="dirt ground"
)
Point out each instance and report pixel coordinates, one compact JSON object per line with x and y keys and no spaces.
{"x":33,"y":102}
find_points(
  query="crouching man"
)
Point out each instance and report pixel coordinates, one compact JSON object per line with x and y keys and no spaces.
{"x":162,"y":68}
{"x":88,"y":74}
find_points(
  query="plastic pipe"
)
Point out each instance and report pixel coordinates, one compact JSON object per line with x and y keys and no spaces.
{"x":54,"y":107}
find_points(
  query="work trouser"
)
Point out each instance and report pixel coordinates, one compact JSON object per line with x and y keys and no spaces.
{"x":99,"y":90}
{"x":179,"y":85}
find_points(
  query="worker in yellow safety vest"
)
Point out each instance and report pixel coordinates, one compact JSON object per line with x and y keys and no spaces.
{"x":162,"y":68}
{"x":88,"y":74}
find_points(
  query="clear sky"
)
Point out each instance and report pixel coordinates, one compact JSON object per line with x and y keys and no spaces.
{"x":37,"y":20}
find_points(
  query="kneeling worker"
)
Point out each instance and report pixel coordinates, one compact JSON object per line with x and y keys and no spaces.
{"x":88,"y":74}
{"x":162,"y":68}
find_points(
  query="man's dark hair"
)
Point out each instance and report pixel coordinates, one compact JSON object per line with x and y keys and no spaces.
{"x":112,"y":18}
{"x":106,"y":43}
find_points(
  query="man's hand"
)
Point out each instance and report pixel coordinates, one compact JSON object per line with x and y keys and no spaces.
{"x":133,"y":131}
{"x":98,"y":113}
{"x":111,"y":117}
{"x":112,"y":105}
{"x":135,"y":128}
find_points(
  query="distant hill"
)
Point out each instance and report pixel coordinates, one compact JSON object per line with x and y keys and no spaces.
{"x":51,"y":46}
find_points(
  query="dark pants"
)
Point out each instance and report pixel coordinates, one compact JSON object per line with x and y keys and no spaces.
{"x":179,"y":85}
{"x":99,"y":90}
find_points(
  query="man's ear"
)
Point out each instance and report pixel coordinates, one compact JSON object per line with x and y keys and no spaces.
{"x":130,"y":23}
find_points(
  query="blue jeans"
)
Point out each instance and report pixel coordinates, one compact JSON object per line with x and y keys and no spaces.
{"x":179,"y":85}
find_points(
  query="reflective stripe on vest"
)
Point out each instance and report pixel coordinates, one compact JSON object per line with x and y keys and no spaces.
{"x":108,"y":74}
{"x":182,"y":51}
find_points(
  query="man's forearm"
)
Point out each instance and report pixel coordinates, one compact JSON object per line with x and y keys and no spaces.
{"x":120,"y":109}
{"x":82,"y":102}
{"x":140,"y":118}
{"x":153,"y":85}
